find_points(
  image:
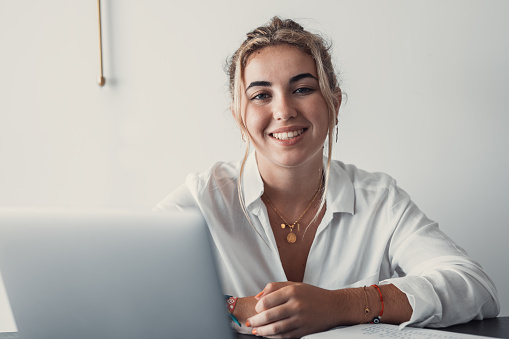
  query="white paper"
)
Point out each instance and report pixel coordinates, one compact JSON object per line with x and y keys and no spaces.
{"x":372,"y":331}
{"x":7,"y":323}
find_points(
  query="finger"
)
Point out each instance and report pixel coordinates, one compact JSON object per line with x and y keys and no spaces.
{"x":274,"y":286}
{"x":270,"y":316}
{"x":284,"y":328}
{"x":269,"y":288}
{"x":271,"y":300}
{"x":259,"y":295}
{"x":266,"y":290}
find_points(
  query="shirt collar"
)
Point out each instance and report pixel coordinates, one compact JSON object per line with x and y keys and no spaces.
{"x":252,"y":182}
{"x":340,"y":192}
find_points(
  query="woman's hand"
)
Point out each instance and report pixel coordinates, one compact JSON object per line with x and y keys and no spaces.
{"x":292,"y":310}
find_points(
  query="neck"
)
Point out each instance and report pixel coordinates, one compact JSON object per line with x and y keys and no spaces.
{"x":291,"y":188}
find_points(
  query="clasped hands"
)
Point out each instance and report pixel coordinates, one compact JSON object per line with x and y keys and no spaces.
{"x":292,"y":310}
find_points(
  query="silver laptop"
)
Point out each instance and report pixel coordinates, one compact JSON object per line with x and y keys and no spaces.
{"x":110,"y":275}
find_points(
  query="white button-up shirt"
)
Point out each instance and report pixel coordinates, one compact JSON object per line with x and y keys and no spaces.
{"x":371,"y":233}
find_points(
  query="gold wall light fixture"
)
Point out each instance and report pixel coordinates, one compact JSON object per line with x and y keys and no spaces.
{"x":101,"y":80}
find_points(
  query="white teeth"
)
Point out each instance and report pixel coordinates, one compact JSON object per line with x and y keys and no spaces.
{"x":287,"y":135}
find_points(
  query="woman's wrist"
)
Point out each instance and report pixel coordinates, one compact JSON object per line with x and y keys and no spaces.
{"x":244,"y":309}
{"x":349,"y":305}
{"x":386,"y":301}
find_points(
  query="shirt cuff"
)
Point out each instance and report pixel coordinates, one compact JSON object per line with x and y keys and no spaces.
{"x":426,"y":306}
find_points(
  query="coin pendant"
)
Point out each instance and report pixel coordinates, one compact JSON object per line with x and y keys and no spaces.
{"x":291,"y":237}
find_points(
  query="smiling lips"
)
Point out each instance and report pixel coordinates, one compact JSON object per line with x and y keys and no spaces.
{"x":287,"y":135}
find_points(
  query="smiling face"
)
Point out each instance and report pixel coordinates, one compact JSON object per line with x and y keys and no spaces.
{"x":283,"y":109}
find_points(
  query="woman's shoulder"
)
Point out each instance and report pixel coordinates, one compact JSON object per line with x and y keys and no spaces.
{"x":362,"y":179}
{"x":220,"y":177}
{"x":220,"y":174}
{"x":373,"y":189}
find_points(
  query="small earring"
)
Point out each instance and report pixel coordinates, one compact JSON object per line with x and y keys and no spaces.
{"x":336,"y":134}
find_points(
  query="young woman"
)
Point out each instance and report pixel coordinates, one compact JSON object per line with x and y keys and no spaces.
{"x":305,"y":243}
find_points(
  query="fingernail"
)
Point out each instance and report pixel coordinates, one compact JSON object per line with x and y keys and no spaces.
{"x":254,"y":331}
{"x":258,"y":295}
{"x":248,"y":324}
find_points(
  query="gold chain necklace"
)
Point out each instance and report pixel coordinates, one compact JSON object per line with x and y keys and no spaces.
{"x":291,"y":237}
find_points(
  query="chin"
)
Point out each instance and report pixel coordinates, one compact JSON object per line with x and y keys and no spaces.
{"x":294,"y":162}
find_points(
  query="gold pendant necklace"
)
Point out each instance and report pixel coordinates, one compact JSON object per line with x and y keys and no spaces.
{"x":292,"y":237}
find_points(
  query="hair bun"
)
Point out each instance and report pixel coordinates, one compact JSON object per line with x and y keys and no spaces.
{"x":276,"y":24}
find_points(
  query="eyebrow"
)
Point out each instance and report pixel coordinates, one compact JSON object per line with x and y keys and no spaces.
{"x":302,"y":76}
{"x":259,"y":83}
{"x":292,"y":80}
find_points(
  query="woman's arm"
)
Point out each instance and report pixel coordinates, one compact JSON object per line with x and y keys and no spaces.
{"x":289,"y":310}
{"x":443,"y":284}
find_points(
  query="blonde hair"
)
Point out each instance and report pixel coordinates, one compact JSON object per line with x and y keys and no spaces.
{"x":276,"y":32}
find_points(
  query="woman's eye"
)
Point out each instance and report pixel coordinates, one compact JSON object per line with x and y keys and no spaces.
{"x":260,"y":96}
{"x":304,"y":90}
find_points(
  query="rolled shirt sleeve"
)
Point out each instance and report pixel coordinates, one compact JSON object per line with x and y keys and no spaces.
{"x":443,"y":285}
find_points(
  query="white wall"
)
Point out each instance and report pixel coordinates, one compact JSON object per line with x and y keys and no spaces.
{"x":428,"y":87}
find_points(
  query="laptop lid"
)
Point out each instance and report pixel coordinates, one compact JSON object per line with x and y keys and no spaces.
{"x":110,"y":275}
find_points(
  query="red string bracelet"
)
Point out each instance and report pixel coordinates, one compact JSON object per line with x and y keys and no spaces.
{"x":231,"y":302}
{"x":377,"y":320}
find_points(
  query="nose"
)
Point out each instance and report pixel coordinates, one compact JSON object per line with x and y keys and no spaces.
{"x":283,"y":108}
